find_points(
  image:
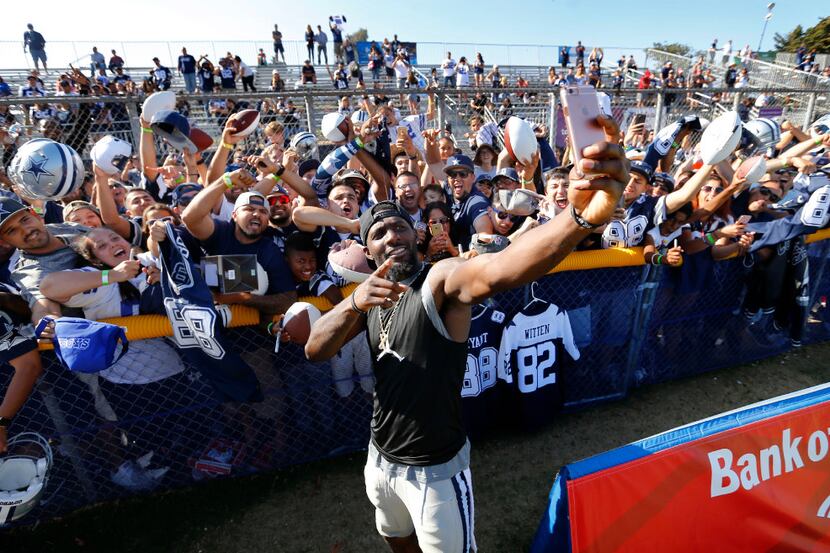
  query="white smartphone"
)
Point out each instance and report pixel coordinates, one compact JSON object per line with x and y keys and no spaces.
{"x":581,"y":109}
{"x":744,"y":219}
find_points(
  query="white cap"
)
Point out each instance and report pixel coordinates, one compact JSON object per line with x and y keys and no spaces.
{"x":248,"y":198}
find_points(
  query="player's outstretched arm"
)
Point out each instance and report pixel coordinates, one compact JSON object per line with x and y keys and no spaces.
{"x":593,"y":198}
{"x":348,"y":317}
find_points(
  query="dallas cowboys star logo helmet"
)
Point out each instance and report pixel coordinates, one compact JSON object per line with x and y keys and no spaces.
{"x":46,"y":169}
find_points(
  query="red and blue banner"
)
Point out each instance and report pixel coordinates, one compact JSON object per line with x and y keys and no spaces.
{"x":753,"y":479}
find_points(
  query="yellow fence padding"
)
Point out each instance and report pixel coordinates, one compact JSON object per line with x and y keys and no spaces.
{"x":142,"y":327}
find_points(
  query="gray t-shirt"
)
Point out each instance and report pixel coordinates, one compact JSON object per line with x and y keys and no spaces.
{"x":30,"y":268}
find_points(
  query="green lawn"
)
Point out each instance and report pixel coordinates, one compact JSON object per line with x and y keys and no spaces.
{"x":321,"y":507}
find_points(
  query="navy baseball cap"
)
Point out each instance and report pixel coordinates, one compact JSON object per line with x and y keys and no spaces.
{"x":459,"y":161}
{"x":643,"y":168}
{"x":484,"y":177}
{"x":9,"y":207}
{"x":182,"y":189}
{"x":508,"y":173}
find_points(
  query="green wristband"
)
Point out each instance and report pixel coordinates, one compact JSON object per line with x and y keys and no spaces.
{"x":358,"y":142}
{"x":105,"y":277}
{"x":227,"y":178}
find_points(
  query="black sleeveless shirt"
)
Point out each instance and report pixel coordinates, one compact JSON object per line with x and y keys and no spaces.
{"x":417,"y":401}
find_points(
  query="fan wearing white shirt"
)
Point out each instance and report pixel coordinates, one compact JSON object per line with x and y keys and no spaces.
{"x":448,"y":68}
{"x":245,"y":73}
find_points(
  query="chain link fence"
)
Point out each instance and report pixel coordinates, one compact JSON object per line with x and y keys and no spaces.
{"x":155,"y":421}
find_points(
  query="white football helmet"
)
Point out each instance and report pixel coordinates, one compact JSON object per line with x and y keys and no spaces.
{"x":24,"y":472}
{"x":111,"y":154}
{"x":766,"y":131}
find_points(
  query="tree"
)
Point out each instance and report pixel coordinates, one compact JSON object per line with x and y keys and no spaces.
{"x":360,"y":35}
{"x":673,"y":48}
{"x":790,"y":41}
{"x":817,"y":37}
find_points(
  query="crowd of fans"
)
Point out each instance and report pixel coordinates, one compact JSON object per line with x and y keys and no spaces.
{"x":276,"y":198}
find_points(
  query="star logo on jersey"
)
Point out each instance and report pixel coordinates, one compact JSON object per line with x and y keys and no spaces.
{"x":36,"y":169}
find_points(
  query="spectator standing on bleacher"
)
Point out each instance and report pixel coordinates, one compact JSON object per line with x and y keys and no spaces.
{"x":226,"y":74}
{"x":115,"y":62}
{"x":309,"y":41}
{"x":278,"y":47}
{"x":337,"y":39}
{"x":580,"y":53}
{"x":245,"y":73}
{"x":96,"y":62}
{"x":161,"y":75}
{"x":726,"y":53}
{"x":449,"y":71}
{"x":564,"y":56}
{"x":187,"y":69}
{"x":36,"y":44}
{"x":206,"y":73}
{"x":322,"y":39}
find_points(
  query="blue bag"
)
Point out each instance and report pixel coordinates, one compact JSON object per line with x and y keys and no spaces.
{"x":85,"y":346}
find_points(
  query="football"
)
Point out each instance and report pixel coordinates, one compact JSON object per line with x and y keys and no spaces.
{"x":720,"y":138}
{"x":752,"y":169}
{"x":520,"y":140}
{"x":156,"y":102}
{"x":298,"y":320}
{"x":349,"y":261}
{"x":200,"y":139}
{"x":246,"y":122}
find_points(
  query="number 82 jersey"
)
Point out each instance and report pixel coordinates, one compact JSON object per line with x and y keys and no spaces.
{"x":531,"y":359}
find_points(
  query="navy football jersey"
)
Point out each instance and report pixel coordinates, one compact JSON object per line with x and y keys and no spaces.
{"x":531,"y":361}
{"x":479,"y":392}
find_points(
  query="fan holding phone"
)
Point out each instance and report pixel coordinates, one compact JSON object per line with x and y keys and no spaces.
{"x":438,"y":244}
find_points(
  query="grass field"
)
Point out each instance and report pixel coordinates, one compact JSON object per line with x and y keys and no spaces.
{"x":322,"y":507}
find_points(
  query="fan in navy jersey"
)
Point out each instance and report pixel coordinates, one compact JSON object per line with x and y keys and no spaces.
{"x":206,"y":75}
{"x":532,"y":361}
{"x":18,"y":349}
{"x":226,"y":74}
{"x":469,"y":209}
{"x":162,"y":76}
{"x":479,"y":392}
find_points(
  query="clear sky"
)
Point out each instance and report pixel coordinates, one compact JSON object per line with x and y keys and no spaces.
{"x":621,"y":23}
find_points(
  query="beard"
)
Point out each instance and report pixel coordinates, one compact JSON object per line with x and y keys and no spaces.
{"x":280,"y":221}
{"x":251,"y":235}
{"x":401,"y":270}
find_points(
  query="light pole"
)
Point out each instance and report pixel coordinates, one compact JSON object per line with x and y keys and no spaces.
{"x":766,"y":20}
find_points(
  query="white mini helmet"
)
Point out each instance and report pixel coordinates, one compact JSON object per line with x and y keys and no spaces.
{"x":359,"y":117}
{"x":24,"y":472}
{"x":46,"y":169}
{"x":332,"y":126}
{"x":766,"y":131}
{"x":305,"y":144}
{"x":111,"y":154}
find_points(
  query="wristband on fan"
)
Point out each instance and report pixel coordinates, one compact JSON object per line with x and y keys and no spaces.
{"x":675,"y":145}
{"x":269,"y":328}
{"x":227,"y":178}
{"x":179,"y":180}
{"x":105,"y":277}
{"x":710,"y":239}
{"x":525,"y":181}
{"x":147,"y":130}
{"x":656,"y":259}
{"x":817,"y":141}
{"x":227,"y":146}
{"x":359,"y":142}
{"x":276,"y":178}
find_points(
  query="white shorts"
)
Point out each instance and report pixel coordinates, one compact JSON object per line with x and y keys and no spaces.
{"x":441,"y":513}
